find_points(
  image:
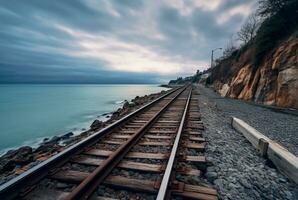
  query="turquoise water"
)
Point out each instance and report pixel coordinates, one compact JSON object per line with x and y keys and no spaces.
{"x":29,"y":113}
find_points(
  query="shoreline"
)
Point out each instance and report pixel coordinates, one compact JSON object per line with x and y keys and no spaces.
{"x":17,"y":160}
{"x":36,"y":142}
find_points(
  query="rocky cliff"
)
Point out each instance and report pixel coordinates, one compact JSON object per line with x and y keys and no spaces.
{"x":273,"y":82}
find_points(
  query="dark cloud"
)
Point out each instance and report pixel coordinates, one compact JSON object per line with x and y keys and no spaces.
{"x":37,"y":74}
{"x":172,"y":24}
{"x":110,"y":41}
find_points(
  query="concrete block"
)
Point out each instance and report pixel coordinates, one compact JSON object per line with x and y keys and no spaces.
{"x":286,"y":162}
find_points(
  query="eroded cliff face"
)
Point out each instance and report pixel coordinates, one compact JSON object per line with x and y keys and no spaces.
{"x":274,"y":82}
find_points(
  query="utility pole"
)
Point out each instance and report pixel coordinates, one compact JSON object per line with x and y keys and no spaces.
{"x":211,"y":65}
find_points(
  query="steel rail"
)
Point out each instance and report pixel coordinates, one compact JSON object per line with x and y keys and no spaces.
{"x":12,"y":188}
{"x":163,"y":191}
{"x":89,"y":185}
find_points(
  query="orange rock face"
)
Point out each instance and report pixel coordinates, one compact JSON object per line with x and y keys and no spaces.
{"x":274,"y":82}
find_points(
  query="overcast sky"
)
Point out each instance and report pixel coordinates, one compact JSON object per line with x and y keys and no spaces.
{"x":113,"y":41}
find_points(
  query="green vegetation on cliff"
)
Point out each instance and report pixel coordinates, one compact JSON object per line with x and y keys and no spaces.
{"x":280,"y":21}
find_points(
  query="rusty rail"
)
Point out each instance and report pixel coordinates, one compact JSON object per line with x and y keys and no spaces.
{"x":12,"y":188}
{"x":164,"y":192}
{"x":89,"y":185}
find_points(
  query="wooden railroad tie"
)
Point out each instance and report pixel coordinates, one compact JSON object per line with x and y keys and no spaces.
{"x":186,"y":190}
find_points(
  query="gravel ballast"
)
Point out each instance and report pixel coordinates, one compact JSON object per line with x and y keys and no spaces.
{"x":238,"y":172}
{"x":275,"y":123}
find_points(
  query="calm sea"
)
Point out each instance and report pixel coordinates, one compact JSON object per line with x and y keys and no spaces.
{"x":29,"y":113}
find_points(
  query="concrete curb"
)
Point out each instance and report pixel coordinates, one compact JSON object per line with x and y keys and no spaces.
{"x":285,"y":161}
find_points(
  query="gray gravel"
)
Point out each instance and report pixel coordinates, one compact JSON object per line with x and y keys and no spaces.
{"x":238,"y":172}
{"x":275,"y":123}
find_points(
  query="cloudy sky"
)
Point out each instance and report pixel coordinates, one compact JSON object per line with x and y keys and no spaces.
{"x":113,"y":41}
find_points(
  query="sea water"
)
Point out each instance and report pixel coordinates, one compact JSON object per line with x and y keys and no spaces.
{"x":31,"y":112}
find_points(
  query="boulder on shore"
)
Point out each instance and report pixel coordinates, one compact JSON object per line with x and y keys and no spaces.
{"x":66,"y":136}
{"x":21,"y":156}
{"x":126,"y":104}
{"x":96,"y":124}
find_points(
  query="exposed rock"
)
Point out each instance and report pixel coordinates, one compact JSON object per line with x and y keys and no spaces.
{"x":224,"y":90}
{"x":6,"y":165}
{"x":274,"y":82}
{"x":69,"y":140}
{"x":54,"y":139}
{"x":96,"y":124}
{"x":132,"y":104}
{"x":13,"y":158}
{"x":238,"y":83}
{"x":47,"y":147}
{"x":23,"y":156}
{"x":287,"y":88}
{"x":66,"y":136}
{"x":126,"y":104}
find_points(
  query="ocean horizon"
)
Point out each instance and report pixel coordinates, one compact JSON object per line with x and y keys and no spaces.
{"x":31,"y":112}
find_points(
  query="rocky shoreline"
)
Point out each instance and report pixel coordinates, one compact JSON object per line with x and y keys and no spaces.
{"x":15,"y":162}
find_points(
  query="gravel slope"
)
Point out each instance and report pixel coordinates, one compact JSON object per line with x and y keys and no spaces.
{"x":238,"y":172}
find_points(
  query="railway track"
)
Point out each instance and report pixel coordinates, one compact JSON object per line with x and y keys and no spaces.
{"x":155,"y":152}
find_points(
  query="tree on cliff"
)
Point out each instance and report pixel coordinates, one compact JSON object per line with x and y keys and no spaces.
{"x":230,"y":48}
{"x":249,"y":29}
{"x":274,"y":21}
{"x":280,"y":20}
